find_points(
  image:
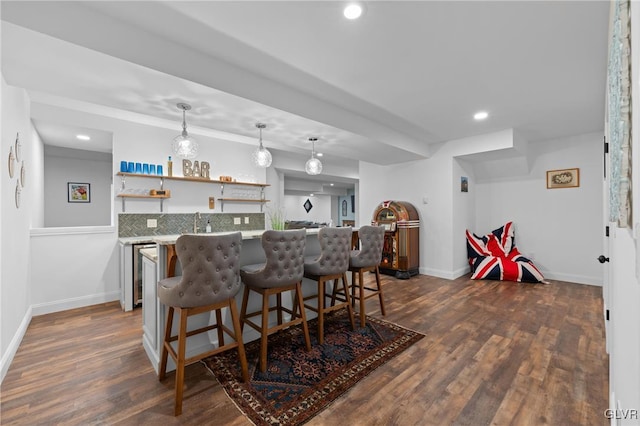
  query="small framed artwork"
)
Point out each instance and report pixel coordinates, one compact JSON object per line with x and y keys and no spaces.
{"x":307,"y":205}
{"x":344,"y":207}
{"x":78,"y":192}
{"x":563,"y":178}
{"x":464,"y":184}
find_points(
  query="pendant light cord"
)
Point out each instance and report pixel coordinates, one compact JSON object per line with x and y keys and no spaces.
{"x":184,"y":123}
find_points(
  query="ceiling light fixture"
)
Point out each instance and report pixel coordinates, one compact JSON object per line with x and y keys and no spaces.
{"x":83,"y":137}
{"x":352,"y":11}
{"x":261,"y":157}
{"x":313,"y":165}
{"x":184,"y":146}
{"x":481,"y":115}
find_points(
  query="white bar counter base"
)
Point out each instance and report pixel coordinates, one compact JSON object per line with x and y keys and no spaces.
{"x":154,"y":313}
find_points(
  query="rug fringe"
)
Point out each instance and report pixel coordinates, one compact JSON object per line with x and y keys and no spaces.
{"x":227,"y":393}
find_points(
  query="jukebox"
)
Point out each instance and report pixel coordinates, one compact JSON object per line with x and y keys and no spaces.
{"x":401,"y":250}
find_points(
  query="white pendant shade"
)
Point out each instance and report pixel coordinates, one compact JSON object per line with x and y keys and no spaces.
{"x":261,"y":157}
{"x":313,"y":166}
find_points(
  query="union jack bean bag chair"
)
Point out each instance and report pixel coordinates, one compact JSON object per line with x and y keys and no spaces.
{"x":495,"y":257}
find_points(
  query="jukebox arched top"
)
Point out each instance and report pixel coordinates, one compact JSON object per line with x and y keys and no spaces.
{"x":389,"y":212}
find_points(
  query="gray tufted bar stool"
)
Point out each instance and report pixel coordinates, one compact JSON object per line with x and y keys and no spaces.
{"x":332,"y":264}
{"x":283,"y":270}
{"x":210,"y":279}
{"x":366,"y":259}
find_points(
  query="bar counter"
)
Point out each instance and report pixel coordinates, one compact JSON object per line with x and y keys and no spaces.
{"x":154,"y":313}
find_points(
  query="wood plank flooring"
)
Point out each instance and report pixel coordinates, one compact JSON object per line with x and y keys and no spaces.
{"x":495,"y":353}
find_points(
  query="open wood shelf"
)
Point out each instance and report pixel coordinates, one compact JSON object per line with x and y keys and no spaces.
{"x":243,"y":200}
{"x":143,"y":196}
{"x":192,"y":179}
{"x":222,"y":184}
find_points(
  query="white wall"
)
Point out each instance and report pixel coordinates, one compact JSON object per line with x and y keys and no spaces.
{"x":412,"y":182}
{"x":15,"y":311}
{"x":350,"y":213}
{"x":433,"y":187}
{"x":64,"y":165}
{"x":73,"y":267}
{"x":561,"y":229}
{"x":464,"y":214}
{"x":151,"y":143}
{"x":321,"y":211}
{"x":36,"y":180}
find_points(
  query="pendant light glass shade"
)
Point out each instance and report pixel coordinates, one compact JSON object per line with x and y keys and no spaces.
{"x":313,"y":165}
{"x":184,"y":146}
{"x":261,"y":157}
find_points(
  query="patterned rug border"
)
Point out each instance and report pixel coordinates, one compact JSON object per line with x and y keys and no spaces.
{"x":335,"y":385}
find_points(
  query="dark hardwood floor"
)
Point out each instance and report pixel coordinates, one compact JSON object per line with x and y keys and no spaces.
{"x":495,"y":353}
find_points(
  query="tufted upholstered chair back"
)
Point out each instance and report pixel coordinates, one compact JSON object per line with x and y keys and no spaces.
{"x":210,"y":270}
{"x":284,"y":251}
{"x":370,"y":254}
{"x":335,"y":246}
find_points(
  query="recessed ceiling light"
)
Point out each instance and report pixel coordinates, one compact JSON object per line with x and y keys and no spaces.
{"x":352,"y":11}
{"x":319,"y":154}
{"x":83,"y":137}
{"x":310,"y":195}
{"x":481,"y":115}
{"x":331,"y":184}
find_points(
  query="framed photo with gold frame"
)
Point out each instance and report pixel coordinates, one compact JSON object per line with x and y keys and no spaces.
{"x":563,"y":178}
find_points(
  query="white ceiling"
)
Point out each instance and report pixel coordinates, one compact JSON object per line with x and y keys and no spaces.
{"x":381,"y":89}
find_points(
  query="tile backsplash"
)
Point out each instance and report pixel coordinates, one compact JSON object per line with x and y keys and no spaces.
{"x":135,"y":224}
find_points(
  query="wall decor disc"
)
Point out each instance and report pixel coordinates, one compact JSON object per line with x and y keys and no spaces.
{"x":12,"y":159}
{"x":23,"y":174}
{"x":18,"y":147}
{"x":17,"y":195}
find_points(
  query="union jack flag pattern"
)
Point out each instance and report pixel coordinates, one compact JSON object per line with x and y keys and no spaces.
{"x":495,"y":257}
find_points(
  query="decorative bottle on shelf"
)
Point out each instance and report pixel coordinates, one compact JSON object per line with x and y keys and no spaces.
{"x":208,"y":229}
{"x":169,"y":167}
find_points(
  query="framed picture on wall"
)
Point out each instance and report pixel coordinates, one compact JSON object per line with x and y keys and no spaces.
{"x":464,"y":184}
{"x":344,"y":207}
{"x":78,"y":192}
{"x":564,"y":178}
{"x":307,"y":205}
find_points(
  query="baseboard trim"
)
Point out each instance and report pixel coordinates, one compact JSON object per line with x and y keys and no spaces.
{"x":578,"y":279}
{"x":439,"y":273}
{"x":73,"y":303}
{"x":7,"y":356}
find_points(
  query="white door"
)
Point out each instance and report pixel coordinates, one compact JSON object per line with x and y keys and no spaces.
{"x":604,"y":258}
{"x":621,"y":291}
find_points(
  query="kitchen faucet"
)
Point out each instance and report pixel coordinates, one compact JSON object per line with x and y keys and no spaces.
{"x":196,"y":218}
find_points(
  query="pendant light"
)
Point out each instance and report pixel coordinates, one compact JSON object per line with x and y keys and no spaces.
{"x":261,"y":157}
{"x":184,"y":146}
{"x":313,"y":165}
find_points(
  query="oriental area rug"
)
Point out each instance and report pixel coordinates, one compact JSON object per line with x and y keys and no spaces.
{"x":299,"y":384}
